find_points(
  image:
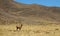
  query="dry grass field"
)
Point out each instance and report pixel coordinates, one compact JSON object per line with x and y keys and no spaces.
{"x":30,"y":30}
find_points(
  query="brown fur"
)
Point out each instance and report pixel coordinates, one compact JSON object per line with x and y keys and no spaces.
{"x":18,"y":27}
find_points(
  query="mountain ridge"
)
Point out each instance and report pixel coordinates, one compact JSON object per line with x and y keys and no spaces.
{"x":14,"y":12}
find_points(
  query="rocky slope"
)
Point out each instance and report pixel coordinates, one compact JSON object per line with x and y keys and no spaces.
{"x":13,"y":12}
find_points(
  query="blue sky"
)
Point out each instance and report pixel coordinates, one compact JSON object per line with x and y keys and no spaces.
{"x":41,"y":2}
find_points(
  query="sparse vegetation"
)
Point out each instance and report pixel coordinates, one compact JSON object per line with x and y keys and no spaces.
{"x":29,"y":30}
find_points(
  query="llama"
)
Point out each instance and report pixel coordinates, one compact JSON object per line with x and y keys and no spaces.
{"x":18,"y":27}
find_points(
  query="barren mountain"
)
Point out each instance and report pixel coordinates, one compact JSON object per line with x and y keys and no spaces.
{"x":13,"y":12}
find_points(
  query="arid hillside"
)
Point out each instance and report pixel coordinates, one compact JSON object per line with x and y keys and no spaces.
{"x":13,"y":12}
